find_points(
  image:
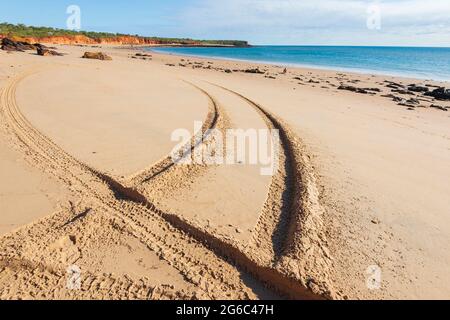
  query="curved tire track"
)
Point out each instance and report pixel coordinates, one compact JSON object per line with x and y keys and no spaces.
{"x":162,"y":232}
{"x":290,"y":229}
{"x":151,"y":229}
{"x":167,"y":163}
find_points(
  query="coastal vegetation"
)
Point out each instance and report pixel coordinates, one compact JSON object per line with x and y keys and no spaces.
{"x":21,"y":30}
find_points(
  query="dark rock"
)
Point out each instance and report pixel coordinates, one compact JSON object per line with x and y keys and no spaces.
{"x":255,"y":71}
{"x":47,"y":52}
{"x":228,"y":71}
{"x":416,"y":88}
{"x":143,"y":56}
{"x":394,"y":85}
{"x":373,"y":89}
{"x":431,"y":86}
{"x":439,"y":94}
{"x":353,"y":89}
{"x":413,"y":101}
{"x":11,"y":45}
{"x":404,"y":104}
{"x":438,"y":107}
{"x":403,"y":91}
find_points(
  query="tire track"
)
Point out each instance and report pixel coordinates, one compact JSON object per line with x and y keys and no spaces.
{"x":164,"y":233}
{"x":167,"y":163}
{"x":39,"y":282}
{"x":171,"y":243}
{"x":290,"y":230}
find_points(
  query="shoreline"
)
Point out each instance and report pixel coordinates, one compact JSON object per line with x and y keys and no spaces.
{"x":349,"y":70}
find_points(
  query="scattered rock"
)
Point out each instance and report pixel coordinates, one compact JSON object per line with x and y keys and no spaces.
{"x":256,"y":71}
{"x":353,"y":89}
{"x":416,"y":88}
{"x":404,"y":104}
{"x":398,"y":99}
{"x":394,"y":85}
{"x":41,"y":51}
{"x":11,"y":45}
{"x":439,"y":94}
{"x":145,"y":55}
{"x":431,"y":86}
{"x":403,"y":91}
{"x":96,"y":55}
{"x":373,"y":89}
{"x":438,"y":107}
{"x":413,"y":101}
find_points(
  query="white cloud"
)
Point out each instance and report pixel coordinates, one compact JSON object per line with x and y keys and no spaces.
{"x":320,"y":21}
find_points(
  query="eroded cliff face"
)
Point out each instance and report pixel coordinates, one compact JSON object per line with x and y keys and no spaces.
{"x":81,"y":39}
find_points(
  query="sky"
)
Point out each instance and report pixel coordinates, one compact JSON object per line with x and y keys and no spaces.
{"x":296,"y":22}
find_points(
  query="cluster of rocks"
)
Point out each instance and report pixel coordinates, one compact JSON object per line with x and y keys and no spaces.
{"x":419,"y":93}
{"x":209,"y":66}
{"x":254,"y":71}
{"x":439,"y":94}
{"x":410,"y":96}
{"x":44,"y":51}
{"x":142,"y":56}
{"x":96,"y":55}
{"x":359,"y":90}
{"x":22,"y":46}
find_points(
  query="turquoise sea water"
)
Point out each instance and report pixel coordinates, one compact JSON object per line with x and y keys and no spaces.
{"x":423,"y":63}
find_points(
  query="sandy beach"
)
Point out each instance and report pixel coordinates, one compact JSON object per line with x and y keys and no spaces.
{"x":86,"y":181}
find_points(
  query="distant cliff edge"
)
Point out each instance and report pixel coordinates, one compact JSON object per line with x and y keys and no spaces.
{"x":60,"y":36}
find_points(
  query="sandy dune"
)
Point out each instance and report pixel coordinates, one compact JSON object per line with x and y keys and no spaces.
{"x":85,"y":147}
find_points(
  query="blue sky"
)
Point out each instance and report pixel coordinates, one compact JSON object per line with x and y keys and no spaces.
{"x":328,"y":22}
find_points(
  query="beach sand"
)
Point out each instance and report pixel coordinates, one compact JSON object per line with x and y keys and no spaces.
{"x":87,"y":183}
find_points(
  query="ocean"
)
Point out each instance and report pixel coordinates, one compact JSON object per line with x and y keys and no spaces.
{"x":422,"y":63}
